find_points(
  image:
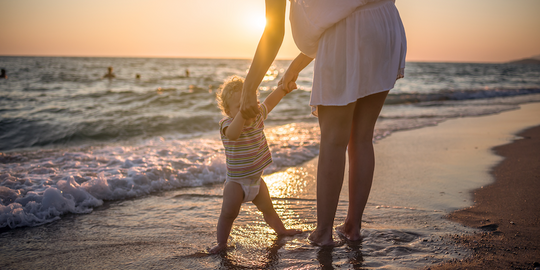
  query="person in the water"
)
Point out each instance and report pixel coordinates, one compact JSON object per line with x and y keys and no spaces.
{"x":110,"y":74}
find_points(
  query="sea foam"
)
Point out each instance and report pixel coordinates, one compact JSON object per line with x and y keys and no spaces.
{"x":38,"y":187}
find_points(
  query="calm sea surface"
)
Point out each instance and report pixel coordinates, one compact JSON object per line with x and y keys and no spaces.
{"x":92,"y":164}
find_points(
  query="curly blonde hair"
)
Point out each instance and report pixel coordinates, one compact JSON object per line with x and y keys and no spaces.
{"x":231,"y":86}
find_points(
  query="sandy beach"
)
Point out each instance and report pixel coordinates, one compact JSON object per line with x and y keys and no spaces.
{"x":462,"y":152}
{"x":507,"y":211}
{"x":506,"y":208}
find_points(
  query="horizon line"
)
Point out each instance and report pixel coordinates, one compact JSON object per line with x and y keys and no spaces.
{"x":537,"y":57}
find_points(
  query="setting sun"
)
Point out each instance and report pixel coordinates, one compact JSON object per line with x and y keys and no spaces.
{"x":256,"y":22}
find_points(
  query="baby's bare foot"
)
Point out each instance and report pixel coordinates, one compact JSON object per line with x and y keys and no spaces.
{"x":321,"y":239}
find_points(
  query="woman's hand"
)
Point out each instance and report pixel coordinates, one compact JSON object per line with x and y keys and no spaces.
{"x":291,"y":75}
{"x":288,"y":81}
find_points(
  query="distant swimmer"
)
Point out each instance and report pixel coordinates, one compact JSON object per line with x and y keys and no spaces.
{"x":187,"y":73}
{"x":3,"y":74}
{"x":110,"y":74}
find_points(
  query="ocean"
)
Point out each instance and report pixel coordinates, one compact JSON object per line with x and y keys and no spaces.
{"x":87,"y":163}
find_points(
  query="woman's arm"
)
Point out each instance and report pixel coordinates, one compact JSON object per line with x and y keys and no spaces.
{"x":265,"y":54}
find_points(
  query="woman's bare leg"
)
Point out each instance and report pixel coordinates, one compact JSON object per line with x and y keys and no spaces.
{"x":361,"y":161}
{"x":335,"y":123}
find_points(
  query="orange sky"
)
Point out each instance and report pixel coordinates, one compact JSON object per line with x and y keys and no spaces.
{"x":455,"y":31}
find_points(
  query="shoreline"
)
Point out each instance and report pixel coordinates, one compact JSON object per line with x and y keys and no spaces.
{"x":438,"y":167}
{"x":444,"y":168}
{"x":507,"y":211}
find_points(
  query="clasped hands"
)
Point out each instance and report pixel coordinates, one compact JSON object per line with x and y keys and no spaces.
{"x":249,"y":106}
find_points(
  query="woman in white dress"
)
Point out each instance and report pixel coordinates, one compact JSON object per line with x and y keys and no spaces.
{"x":359,"y":47}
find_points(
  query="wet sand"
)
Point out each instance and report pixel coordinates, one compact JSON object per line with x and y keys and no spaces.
{"x":492,"y":152}
{"x":508,"y":211}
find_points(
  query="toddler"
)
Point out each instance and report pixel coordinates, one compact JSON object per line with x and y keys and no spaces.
{"x":247,"y":153}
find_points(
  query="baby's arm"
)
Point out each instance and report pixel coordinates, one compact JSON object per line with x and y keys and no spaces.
{"x":234,"y":130}
{"x":275,"y":97}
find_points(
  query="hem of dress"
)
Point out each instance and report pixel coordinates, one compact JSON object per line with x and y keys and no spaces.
{"x":401,"y":74}
{"x":314,"y":106}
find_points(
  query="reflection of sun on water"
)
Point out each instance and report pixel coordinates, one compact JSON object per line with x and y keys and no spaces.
{"x":286,"y":184}
{"x":293,"y":135}
{"x":271,"y":74}
{"x":292,"y":184}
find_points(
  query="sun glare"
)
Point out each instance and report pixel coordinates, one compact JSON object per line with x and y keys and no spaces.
{"x":257,"y":22}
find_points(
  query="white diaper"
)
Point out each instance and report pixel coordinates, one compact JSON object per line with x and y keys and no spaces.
{"x":250,"y":185}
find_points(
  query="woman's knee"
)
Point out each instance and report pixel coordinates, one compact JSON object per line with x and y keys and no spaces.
{"x":361,"y":136}
{"x":336,"y":142}
{"x":335,"y":123}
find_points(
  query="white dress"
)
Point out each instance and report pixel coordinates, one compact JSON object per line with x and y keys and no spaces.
{"x":359,"y":47}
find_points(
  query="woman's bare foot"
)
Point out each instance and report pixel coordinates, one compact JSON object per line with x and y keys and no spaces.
{"x":289,"y":232}
{"x":321,"y":239}
{"x":217,"y":248}
{"x":350,"y":235}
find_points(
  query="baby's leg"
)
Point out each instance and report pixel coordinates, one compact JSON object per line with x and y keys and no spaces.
{"x":264,"y":204}
{"x":233,"y":195}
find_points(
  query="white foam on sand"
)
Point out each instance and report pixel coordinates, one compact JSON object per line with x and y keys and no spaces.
{"x":38,"y":187}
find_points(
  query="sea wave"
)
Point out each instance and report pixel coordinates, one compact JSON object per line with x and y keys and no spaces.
{"x":444,"y":95}
{"x":38,"y":187}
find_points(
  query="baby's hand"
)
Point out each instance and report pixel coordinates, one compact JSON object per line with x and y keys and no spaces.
{"x":291,"y":86}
